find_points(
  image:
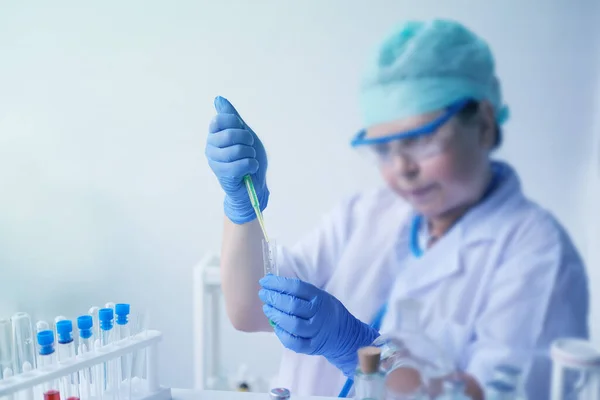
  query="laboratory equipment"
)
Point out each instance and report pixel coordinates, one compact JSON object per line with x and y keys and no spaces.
{"x":50,"y":371}
{"x":498,"y":390}
{"x":513,"y":376}
{"x":122,"y":320}
{"x":575,"y":370}
{"x":66,"y":352}
{"x":41,"y":326}
{"x":106,"y":318}
{"x":93,"y":311}
{"x":110,"y":305}
{"x":413,"y":363}
{"x":255,"y":205}
{"x":124,"y":366}
{"x":270,"y":257}
{"x":369,"y":380}
{"x":23,"y":343}
{"x":279,"y":394}
{"x":6,"y":352}
{"x":270,"y":265}
{"x":89,"y":376}
{"x":47,"y":358}
{"x":107,"y":336}
{"x":453,"y":389}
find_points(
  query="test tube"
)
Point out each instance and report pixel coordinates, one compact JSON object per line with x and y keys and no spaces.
{"x":41,"y":326}
{"x":270,"y":257}
{"x":6,"y":350}
{"x":123,"y":332}
{"x":269,"y":249}
{"x":23,"y":343}
{"x":89,"y":376}
{"x":122,"y":313}
{"x":93,"y":311}
{"x":110,"y":377}
{"x":66,"y":351}
{"x":139,"y":359}
{"x":47,"y":357}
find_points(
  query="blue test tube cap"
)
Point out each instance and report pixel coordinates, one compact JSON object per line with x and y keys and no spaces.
{"x":64,"y":330}
{"x":106,"y":316}
{"x":85,"y":324}
{"x":122,"y":311}
{"x":45,"y":341}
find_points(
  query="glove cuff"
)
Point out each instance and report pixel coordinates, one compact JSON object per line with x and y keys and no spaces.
{"x":240,"y":211}
{"x":348,"y":361}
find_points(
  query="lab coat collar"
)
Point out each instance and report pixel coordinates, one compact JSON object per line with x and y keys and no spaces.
{"x":480,"y":223}
{"x":478,"y":226}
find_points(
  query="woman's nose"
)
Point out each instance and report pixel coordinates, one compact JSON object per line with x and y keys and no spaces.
{"x":403,"y":165}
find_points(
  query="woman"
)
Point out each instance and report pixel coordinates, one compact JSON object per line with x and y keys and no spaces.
{"x":497,"y":277}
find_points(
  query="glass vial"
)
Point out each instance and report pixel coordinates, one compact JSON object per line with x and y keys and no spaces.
{"x":270,"y":257}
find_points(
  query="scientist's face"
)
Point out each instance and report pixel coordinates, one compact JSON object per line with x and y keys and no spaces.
{"x":453,"y":176}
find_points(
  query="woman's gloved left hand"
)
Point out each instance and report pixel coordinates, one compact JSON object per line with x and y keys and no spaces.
{"x":309,"y":320}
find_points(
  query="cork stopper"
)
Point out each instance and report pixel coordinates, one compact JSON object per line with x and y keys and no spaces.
{"x":368,"y":359}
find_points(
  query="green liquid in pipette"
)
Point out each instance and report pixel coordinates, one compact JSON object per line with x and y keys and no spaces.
{"x":259,"y":217}
{"x":255,"y":204}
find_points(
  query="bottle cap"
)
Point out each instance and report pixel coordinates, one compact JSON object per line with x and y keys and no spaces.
{"x":44,"y":338}
{"x":45,"y":341}
{"x":64,"y":330}
{"x":279,"y":394}
{"x":368,"y":359}
{"x":106,"y":315}
{"x":122,"y":311}
{"x":85,"y":323}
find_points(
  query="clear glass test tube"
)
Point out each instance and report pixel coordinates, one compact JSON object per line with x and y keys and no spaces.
{"x":89,"y":377}
{"x":41,"y":326}
{"x":93,"y":311}
{"x":107,"y":337}
{"x":269,"y":250}
{"x":23,"y":343}
{"x":270,"y":257}
{"x":47,"y":357}
{"x":66,"y":352}
{"x":139,"y":325}
{"x":6,"y":349}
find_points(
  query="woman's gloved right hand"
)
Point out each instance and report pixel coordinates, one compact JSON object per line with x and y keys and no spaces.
{"x":233,"y":151}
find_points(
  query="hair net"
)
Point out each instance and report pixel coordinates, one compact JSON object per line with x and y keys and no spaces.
{"x":426,"y":66}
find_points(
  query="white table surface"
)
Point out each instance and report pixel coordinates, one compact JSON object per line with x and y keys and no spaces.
{"x":188,"y":394}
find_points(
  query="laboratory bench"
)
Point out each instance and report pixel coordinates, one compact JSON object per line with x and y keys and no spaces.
{"x":190,"y":394}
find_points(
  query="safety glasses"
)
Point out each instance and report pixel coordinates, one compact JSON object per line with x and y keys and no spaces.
{"x":416,"y":144}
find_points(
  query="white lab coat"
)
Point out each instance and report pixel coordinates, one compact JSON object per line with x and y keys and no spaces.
{"x":499,"y":286}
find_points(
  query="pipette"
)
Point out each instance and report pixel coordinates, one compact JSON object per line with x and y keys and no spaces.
{"x":255,"y":204}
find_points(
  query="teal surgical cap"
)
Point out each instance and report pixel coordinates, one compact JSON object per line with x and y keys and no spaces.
{"x":427,"y":66}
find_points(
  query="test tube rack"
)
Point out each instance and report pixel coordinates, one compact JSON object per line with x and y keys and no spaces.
{"x":146,"y":340}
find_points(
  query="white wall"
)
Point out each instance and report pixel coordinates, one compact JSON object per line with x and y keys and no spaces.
{"x":104,"y":190}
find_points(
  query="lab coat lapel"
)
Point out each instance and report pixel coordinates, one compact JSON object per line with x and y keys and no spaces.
{"x":437,"y":263}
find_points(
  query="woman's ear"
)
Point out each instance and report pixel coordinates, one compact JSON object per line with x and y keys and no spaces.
{"x":487,"y":121}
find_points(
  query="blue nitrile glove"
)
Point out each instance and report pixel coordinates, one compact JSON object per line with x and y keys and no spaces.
{"x":233,"y":150}
{"x":309,"y":320}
